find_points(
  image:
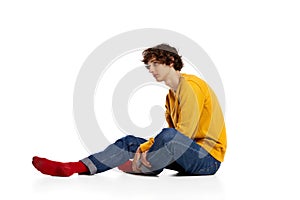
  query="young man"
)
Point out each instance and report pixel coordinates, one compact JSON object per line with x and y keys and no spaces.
{"x":194,"y":144}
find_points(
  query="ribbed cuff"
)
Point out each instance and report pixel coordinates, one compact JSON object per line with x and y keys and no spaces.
{"x":90,"y":165}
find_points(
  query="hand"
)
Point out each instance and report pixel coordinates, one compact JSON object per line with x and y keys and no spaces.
{"x":140,"y":158}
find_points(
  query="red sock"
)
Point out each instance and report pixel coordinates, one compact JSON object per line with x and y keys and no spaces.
{"x":126,"y":167}
{"x":54,"y":168}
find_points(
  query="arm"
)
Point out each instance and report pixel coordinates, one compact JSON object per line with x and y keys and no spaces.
{"x":191,"y":105}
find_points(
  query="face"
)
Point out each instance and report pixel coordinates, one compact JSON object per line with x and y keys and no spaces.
{"x":158,"y":71}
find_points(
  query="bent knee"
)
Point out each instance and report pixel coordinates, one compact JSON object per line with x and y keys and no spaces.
{"x":126,"y":140}
{"x":166,"y":135}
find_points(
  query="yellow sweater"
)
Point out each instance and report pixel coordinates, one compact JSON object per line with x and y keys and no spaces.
{"x":195,"y":112}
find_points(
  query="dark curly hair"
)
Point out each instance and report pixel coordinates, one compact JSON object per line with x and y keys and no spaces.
{"x":164,"y":54}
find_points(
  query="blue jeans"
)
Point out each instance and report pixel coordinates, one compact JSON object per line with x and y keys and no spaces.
{"x":171,"y":150}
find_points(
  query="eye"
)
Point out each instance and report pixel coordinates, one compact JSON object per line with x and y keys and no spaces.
{"x":147,"y":67}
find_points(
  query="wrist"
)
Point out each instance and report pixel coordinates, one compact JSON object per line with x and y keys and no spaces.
{"x":139,"y":150}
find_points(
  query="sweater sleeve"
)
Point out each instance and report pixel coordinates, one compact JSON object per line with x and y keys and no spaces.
{"x":189,"y":115}
{"x":147,"y":145}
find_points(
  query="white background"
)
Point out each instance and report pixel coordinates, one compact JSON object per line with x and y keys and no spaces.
{"x":254,"y":45}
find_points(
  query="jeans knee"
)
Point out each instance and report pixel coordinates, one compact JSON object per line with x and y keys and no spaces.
{"x":125,"y":142}
{"x":166,"y":135}
{"x":128,"y":138}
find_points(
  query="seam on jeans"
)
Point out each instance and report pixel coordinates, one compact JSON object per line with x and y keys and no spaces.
{"x":110,"y":158}
{"x":187,"y":147}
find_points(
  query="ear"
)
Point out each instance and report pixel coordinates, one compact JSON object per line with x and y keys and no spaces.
{"x":172,"y":64}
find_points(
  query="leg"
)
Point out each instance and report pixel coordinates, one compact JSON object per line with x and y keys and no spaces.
{"x":172,"y":146}
{"x":114,"y":155}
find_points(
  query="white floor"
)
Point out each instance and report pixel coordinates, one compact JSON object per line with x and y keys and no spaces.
{"x":226,"y":184}
{"x":236,"y":179}
{"x":116,"y":185}
{"x":249,"y":171}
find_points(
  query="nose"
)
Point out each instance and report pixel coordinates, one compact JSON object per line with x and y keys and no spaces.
{"x":151,"y":69}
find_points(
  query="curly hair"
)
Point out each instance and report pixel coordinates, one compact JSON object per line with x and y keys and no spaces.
{"x":164,"y":54}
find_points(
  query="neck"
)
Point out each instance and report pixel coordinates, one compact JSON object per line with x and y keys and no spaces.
{"x":173,"y":79}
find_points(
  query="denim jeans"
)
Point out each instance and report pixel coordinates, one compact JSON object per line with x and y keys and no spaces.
{"x":171,"y":150}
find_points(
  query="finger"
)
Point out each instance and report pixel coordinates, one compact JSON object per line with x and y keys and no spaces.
{"x":144,"y":160}
{"x":137,"y":156}
{"x":135,"y":162}
{"x":136,"y":166}
{"x":136,"y":169}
